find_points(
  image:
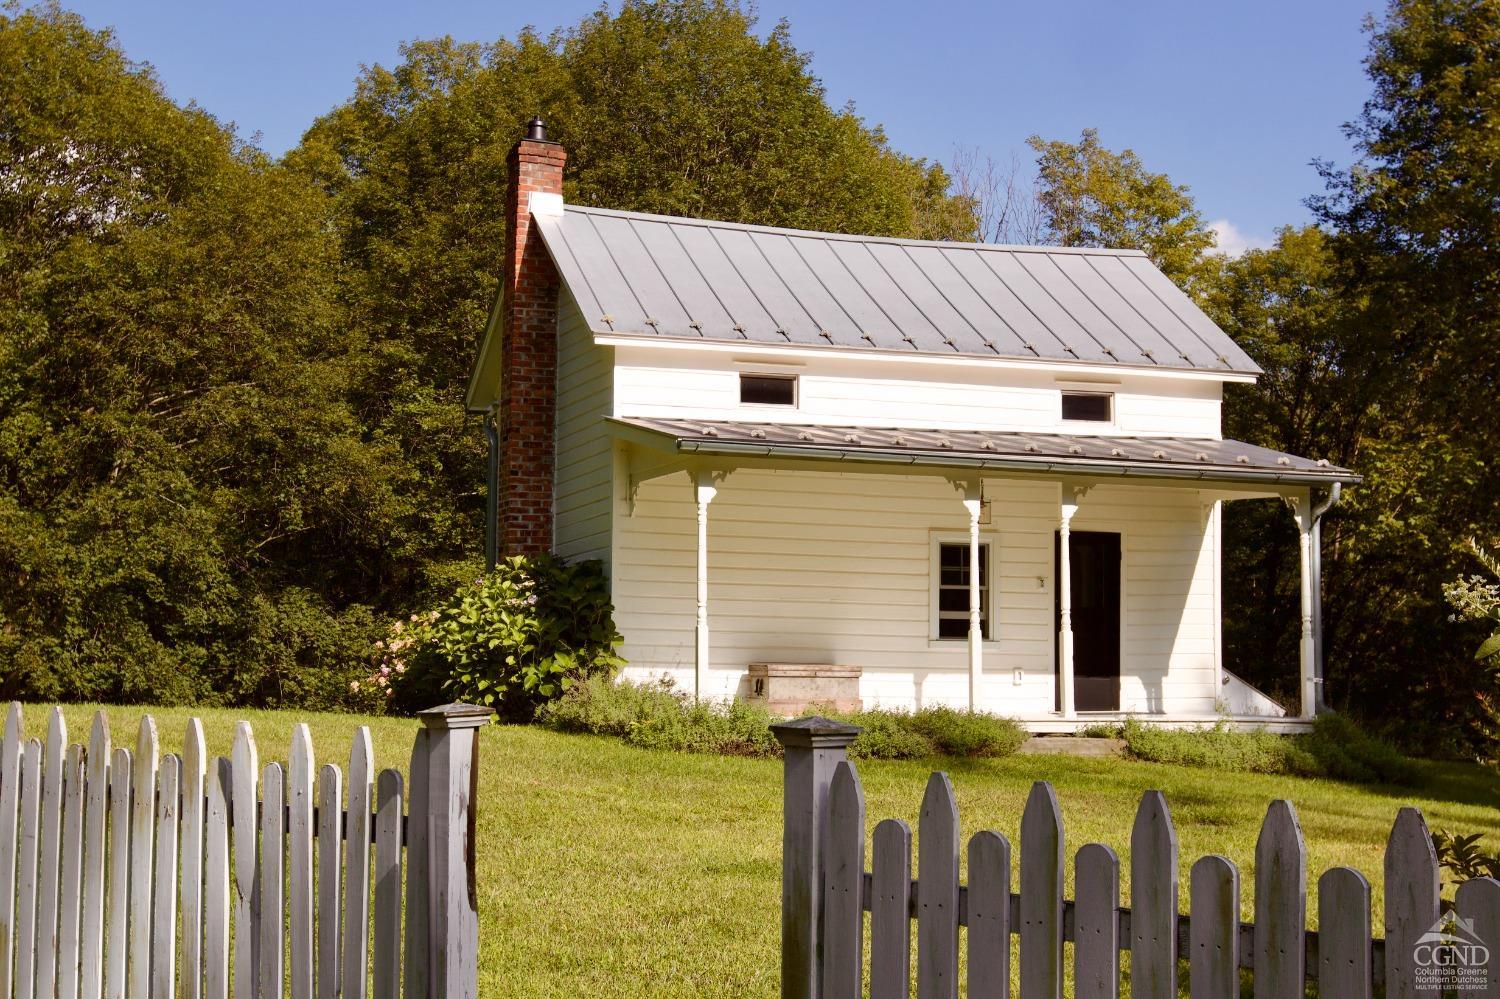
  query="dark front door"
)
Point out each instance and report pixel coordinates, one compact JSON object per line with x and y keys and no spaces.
{"x":1095,"y":572}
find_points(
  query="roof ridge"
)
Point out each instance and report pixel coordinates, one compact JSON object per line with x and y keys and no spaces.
{"x":852,"y":237}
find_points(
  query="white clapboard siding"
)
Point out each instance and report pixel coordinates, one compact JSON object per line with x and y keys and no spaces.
{"x":330,"y":871}
{"x":385,"y":960}
{"x":10,"y":814}
{"x":142,"y":857}
{"x":26,"y":861}
{"x":194,"y":772}
{"x":357,"y":866}
{"x":164,"y":900}
{"x":301,"y":795}
{"x":244,"y":797}
{"x":1284,"y":956}
{"x":583,"y":503}
{"x":49,"y":859}
{"x":853,"y":576}
{"x":216,"y":875}
{"x":271,"y":974}
{"x":95,"y":829}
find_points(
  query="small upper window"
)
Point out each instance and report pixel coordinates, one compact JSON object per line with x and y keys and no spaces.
{"x":1094,"y":407}
{"x":768,"y":390}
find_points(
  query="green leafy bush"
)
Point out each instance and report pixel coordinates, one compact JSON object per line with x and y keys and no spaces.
{"x":1335,"y":748}
{"x":511,"y":640}
{"x":966,"y":733}
{"x":885,"y":735}
{"x":658,"y":716}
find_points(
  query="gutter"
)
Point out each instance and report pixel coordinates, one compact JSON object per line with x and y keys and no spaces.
{"x":1315,"y":542}
{"x":1171,"y":470}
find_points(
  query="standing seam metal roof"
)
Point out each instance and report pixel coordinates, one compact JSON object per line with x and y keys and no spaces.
{"x":682,"y":278}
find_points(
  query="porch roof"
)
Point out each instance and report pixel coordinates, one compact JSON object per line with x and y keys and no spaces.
{"x":1079,"y":454}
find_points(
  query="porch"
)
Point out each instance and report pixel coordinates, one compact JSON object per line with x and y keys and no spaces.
{"x":737,"y":543}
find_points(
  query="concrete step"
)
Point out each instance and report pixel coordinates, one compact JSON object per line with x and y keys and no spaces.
{"x":1072,"y":745}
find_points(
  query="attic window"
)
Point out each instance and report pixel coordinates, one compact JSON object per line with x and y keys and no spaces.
{"x":768,"y":390}
{"x":1091,"y":407}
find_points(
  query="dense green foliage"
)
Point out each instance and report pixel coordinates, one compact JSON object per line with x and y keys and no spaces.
{"x":1335,"y":748}
{"x":659,"y":716}
{"x":512,"y":640}
{"x":232,"y":449}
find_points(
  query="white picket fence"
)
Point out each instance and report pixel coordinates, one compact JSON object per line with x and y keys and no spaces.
{"x":826,"y":891}
{"x":109,"y":858}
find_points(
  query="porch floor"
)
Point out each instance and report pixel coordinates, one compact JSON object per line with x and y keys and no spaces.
{"x":1054,"y":724}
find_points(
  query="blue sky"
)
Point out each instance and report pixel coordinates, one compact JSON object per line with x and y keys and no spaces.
{"x":1231,"y":98}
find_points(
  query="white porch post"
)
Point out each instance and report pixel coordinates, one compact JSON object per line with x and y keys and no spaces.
{"x":703,"y":494}
{"x":1065,"y":604}
{"x":1303,"y":512}
{"x":974,"y":503}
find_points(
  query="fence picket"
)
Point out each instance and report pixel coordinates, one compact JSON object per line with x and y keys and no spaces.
{"x":1041,"y":894}
{"x":142,"y":853}
{"x":95,"y":824}
{"x":330,"y":869}
{"x":937,"y":891}
{"x":357,"y":865}
{"x":1096,"y":923}
{"x":1344,"y":965}
{"x":245,"y":773}
{"x":386,"y":960}
{"x":1479,"y":902}
{"x":164,"y":894}
{"x":843,"y":885}
{"x":28,"y":835}
{"x":300,"y":861}
{"x":194,"y":773}
{"x":418,"y":869}
{"x":1214,"y":928}
{"x":1280,"y":960}
{"x":49,"y":860}
{"x":1411,"y":899}
{"x":216,"y":881}
{"x":890,"y":911}
{"x":271,"y":974}
{"x":10,"y":816}
{"x":117,"y":925}
{"x":989,"y":916}
{"x":1153,"y":900}
{"x":70,"y":887}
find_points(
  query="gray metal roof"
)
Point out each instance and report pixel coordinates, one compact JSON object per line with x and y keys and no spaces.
{"x":1135,"y":457}
{"x":661,"y":276}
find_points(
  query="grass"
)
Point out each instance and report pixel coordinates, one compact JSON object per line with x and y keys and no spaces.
{"x":613,"y":871}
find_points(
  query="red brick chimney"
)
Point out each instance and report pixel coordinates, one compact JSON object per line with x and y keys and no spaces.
{"x":528,"y":351}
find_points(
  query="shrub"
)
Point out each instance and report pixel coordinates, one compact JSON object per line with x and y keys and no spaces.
{"x":885,"y":735}
{"x":1335,"y":748}
{"x":1218,"y":747}
{"x":1101,"y":730}
{"x":511,"y":640}
{"x":967,"y":733}
{"x":658,"y":716}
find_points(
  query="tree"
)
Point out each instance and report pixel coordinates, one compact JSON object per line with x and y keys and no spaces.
{"x":677,"y":107}
{"x":1002,"y":197}
{"x":1094,"y":197}
{"x":188,"y":509}
{"x":1417,"y":239}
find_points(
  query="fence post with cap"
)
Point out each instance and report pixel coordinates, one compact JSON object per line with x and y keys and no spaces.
{"x":452,"y":902}
{"x":814,"y":748}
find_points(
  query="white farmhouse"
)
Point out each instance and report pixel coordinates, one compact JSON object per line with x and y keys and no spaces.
{"x":794,"y":449}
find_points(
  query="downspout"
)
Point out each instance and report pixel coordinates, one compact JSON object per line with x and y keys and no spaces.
{"x":1320,"y":701}
{"x":492,"y":490}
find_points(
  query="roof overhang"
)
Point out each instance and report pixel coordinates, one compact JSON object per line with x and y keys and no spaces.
{"x":1138,"y":458}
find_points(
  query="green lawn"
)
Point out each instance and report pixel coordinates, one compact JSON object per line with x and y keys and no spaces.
{"x":617,"y":872}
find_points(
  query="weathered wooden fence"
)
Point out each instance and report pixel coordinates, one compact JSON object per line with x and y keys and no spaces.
{"x":826,"y":891}
{"x":110,"y":859}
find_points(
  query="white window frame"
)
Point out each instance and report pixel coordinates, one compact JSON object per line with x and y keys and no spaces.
{"x":1086,"y":423}
{"x":780,"y":376}
{"x":987,"y":540}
